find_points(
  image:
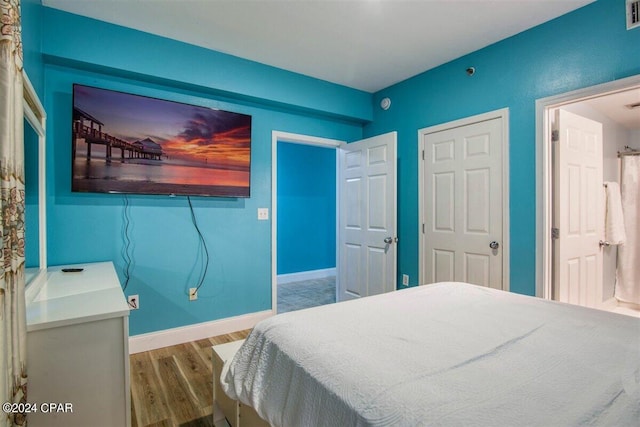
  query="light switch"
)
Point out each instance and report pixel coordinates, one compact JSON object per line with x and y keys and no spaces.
{"x":263,"y":214}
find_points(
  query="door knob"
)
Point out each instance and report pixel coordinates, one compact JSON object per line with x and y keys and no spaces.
{"x":388,"y":240}
{"x":604,"y":243}
{"x":494,"y":245}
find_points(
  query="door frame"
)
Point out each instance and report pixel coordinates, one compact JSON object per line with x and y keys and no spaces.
{"x":544,"y":171}
{"x":293,"y":138}
{"x":503,"y":115}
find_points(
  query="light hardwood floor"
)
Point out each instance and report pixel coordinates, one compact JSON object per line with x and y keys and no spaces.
{"x":173,"y":386}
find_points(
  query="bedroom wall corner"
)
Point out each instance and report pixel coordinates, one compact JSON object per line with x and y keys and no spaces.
{"x":552,"y":58}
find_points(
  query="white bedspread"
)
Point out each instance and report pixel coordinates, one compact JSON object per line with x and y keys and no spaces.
{"x":447,"y":354}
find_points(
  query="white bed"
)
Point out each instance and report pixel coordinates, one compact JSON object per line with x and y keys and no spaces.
{"x":443,"y":354}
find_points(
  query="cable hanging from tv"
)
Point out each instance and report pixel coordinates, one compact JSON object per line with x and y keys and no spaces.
{"x":204,"y":246}
{"x":127,"y":242}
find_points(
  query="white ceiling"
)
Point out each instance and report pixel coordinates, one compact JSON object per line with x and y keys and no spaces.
{"x":615,"y":106}
{"x":363,"y":44}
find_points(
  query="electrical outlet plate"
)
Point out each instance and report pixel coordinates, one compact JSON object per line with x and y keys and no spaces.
{"x":193,"y":294}
{"x":263,"y":214}
{"x":405,"y":279}
{"x":134,"y":302}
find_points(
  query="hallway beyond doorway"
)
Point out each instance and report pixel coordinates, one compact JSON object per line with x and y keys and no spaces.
{"x":305,"y":294}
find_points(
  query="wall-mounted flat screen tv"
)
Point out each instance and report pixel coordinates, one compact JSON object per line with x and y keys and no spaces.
{"x":125,"y":143}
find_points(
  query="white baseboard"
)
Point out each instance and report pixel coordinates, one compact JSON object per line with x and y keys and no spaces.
{"x":168,"y":337}
{"x":306,"y":275}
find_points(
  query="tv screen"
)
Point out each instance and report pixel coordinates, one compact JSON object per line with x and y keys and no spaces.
{"x":125,"y":143}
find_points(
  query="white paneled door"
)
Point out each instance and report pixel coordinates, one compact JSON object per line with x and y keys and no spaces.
{"x":367,"y":217}
{"x":463,"y":204}
{"x":578,"y":213}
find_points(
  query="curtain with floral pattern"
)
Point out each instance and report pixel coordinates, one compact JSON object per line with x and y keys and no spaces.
{"x":13,"y":335}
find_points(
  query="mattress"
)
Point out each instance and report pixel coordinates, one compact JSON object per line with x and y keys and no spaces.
{"x":443,"y":354}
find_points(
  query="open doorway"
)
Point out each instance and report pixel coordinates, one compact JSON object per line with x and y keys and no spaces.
{"x":304,"y":221}
{"x":606,"y":106}
{"x":366,"y":213}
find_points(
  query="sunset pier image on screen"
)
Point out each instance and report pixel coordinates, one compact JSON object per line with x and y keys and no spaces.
{"x":125,"y":143}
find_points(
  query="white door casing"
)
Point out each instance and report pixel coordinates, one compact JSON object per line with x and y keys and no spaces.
{"x":367,"y":221}
{"x":544,"y":170}
{"x":578,"y":213}
{"x":464,"y":201}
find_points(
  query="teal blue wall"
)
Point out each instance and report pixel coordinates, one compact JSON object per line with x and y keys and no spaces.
{"x":583,"y":48}
{"x":306,"y":208}
{"x":85,"y":43}
{"x":31,"y":20}
{"x":32,"y":247}
{"x":167,"y":259}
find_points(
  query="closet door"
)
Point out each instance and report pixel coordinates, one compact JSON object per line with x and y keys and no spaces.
{"x":463,"y":204}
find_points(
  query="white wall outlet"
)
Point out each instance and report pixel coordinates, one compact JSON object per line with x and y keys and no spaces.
{"x":134,"y":302}
{"x":263,"y":214}
{"x":405,"y":279}
{"x":193,"y":294}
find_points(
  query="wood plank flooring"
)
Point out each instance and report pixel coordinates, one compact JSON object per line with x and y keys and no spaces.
{"x":173,"y":386}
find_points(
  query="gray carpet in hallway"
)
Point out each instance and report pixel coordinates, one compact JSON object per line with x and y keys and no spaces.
{"x":305,"y":294}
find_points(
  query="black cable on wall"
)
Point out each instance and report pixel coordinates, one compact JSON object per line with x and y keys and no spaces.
{"x":202,"y":242}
